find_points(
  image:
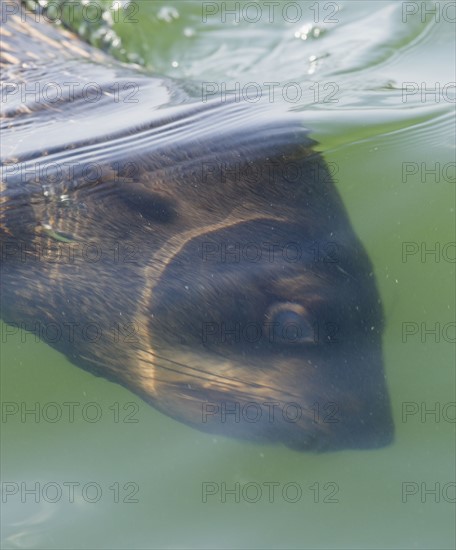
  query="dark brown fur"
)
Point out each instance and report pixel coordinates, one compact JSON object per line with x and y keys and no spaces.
{"x":176,"y":182}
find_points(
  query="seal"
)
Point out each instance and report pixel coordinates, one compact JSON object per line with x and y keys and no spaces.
{"x":196,"y":253}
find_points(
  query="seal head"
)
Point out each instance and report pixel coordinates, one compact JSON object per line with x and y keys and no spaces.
{"x":197,"y":254}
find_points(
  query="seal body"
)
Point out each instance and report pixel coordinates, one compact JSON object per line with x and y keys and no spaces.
{"x":196,"y":253}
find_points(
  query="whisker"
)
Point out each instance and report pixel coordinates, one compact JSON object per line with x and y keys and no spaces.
{"x":206,"y":373}
{"x":201,"y":376}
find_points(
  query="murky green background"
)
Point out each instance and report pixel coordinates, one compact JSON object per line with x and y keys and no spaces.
{"x":368,"y":49}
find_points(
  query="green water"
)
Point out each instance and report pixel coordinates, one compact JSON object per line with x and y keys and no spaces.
{"x":369,"y":135}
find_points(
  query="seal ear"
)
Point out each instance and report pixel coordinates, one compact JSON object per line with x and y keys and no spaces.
{"x":148,"y":204}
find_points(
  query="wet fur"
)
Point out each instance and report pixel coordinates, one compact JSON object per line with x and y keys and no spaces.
{"x":161,"y":214}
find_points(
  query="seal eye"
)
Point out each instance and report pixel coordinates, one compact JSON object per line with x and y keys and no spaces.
{"x":290,"y":324}
{"x":150,"y":205}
